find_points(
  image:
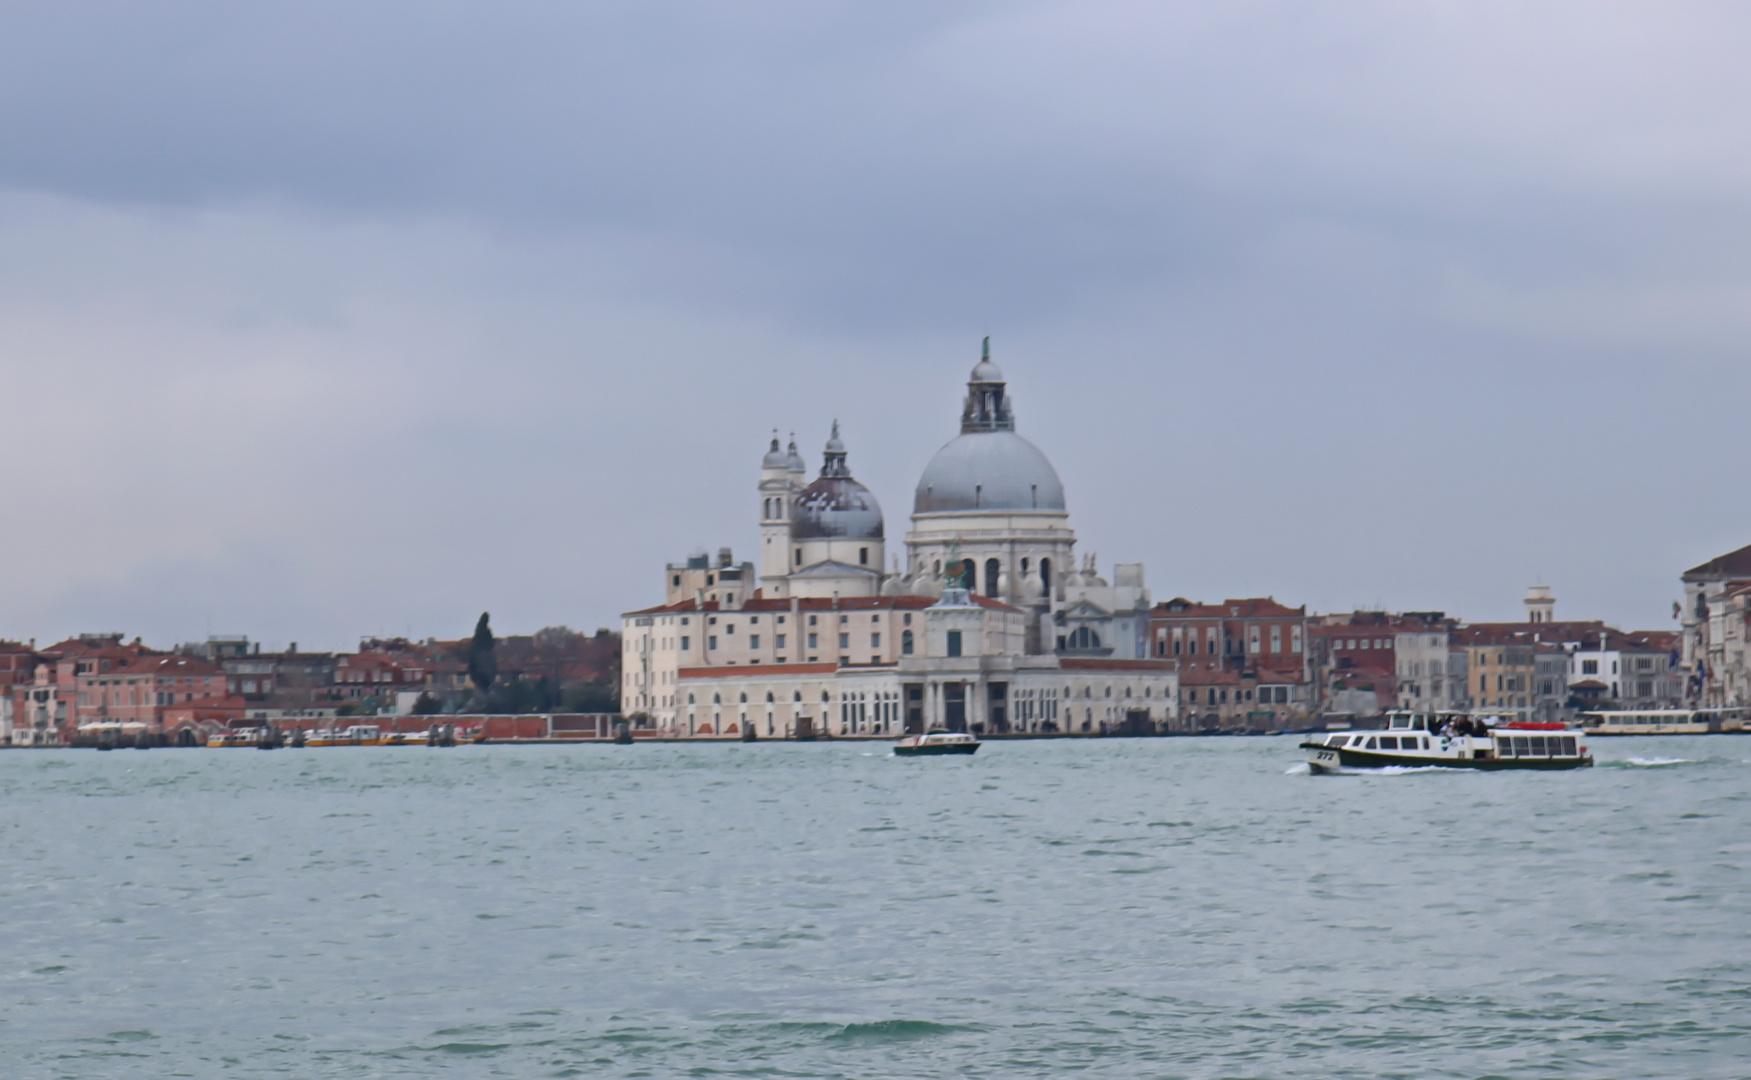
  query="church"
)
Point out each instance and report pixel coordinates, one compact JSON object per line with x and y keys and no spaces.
{"x":983,"y":623}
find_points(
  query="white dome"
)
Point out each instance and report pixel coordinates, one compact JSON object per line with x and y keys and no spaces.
{"x":988,"y":470}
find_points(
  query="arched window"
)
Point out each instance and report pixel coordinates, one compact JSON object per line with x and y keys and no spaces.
{"x":717,"y":699}
{"x":744,"y":697}
{"x":936,"y":568}
{"x":1084,"y":638}
{"x":768,"y":697}
{"x":690,"y":700}
{"x":991,"y":572}
{"x":1046,"y":576}
{"x":798,"y":698}
{"x":906,"y":643}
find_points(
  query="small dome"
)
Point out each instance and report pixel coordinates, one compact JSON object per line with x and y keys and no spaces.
{"x":836,"y":508}
{"x":775,"y":458}
{"x":988,"y":470}
{"x":986,"y":371}
{"x":793,"y":460}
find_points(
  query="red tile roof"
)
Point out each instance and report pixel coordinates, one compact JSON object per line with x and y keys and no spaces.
{"x":732,"y":671}
{"x":1102,"y":663}
{"x":1258,"y":607}
{"x":1732,"y":564}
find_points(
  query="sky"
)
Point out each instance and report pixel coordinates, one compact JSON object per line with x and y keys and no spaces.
{"x":323,"y":320}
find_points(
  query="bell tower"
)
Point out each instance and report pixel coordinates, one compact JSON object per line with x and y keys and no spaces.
{"x":777,"y":496}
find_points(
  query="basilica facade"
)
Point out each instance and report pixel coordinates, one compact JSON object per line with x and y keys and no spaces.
{"x":982,"y":622}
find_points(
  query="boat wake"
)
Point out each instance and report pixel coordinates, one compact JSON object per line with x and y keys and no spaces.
{"x":1655,"y":762}
{"x":1305,"y":769}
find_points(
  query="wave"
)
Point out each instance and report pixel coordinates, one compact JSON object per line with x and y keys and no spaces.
{"x":1300,"y":768}
{"x":893,"y":1031}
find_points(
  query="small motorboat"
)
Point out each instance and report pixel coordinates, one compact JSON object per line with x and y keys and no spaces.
{"x":936,"y":742}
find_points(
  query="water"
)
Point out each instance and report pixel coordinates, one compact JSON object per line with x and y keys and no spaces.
{"x":1157,"y":908}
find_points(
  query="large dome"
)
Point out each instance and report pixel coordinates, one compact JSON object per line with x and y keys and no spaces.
{"x":988,"y":470}
{"x":837,"y":508}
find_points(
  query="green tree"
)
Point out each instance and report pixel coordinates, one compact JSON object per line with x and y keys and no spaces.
{"x":591,"y":696}
{"x":426,"y":705}
{"x":483,"y":666}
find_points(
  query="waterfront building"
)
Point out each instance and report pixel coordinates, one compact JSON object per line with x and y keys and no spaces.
{"x":984,"y":624}
{"x":1431,"y":674}
{"x":1712,"y":624}
{"x":1242,"y":663}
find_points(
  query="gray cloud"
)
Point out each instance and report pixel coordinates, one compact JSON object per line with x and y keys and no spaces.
{"x":1372,"y":304}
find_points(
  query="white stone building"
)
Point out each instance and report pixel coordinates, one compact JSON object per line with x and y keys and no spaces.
{"x":986,"y":625}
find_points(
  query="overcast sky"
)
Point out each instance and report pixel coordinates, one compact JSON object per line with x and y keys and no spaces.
{"x":329,"y":319}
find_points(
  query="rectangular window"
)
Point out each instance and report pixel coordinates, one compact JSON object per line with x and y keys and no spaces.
{"x":753,"y":641}
{"x":845,"y":641}
{"x":779,"y":641}
{"x":1294,"y":639}
{"x":907,"y":618}
{"x":954,"y":643}
{"x":1276,"y":639}
{"x":711,"y":642}
{"x":811,"y":620}
{"x":686,"y":642}
{"x":813,"y":643}
{"x":875,"y":641}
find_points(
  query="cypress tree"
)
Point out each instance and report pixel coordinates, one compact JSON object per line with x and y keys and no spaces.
{"x":483,"y":667}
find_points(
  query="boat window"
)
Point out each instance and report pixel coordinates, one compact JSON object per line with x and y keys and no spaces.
{"x":1425,"y":742}
{"x":1336,"y":740}
{"x":1538,"y":746}
{"x":1369,"y":745}
{"x":1388,"y":742}
{"x":1417,"y":724}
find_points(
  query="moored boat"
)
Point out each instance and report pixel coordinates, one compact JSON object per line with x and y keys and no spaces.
{"x":1663,"y":721}
{"x":1450,"y":741}
{"x":235,"y":737}
{"x":357,"y":735}
{"x":936,"y":742}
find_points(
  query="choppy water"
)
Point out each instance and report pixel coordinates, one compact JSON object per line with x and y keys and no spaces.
{"x":1160,"y":908}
